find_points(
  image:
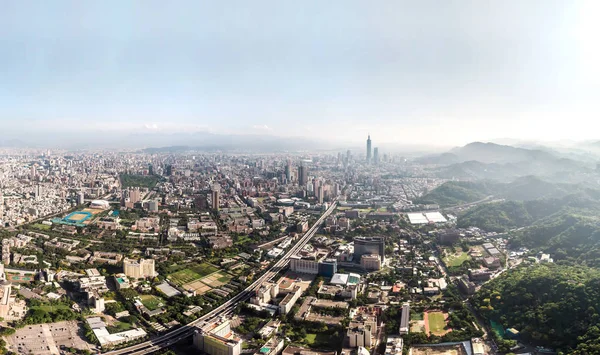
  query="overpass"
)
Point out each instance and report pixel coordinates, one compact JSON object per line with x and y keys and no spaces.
{"x":228,"y":307}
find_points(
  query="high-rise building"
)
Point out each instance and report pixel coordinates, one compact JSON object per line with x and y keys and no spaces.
{"x":215,"y":199}
{"x":150,"y":169}
{"x":288,"y":172}
{"x":376,"y":155}
{"x":135,"y":195}
{"x":320,"y":194}
{"x":369,"y":149}
{"x":302,"y":175}
{"x":139,"y":269}
{"x":368,"y":246}
{"x":169,"y":170}
{"x":80,"y":198}
{"x":153,"y":206}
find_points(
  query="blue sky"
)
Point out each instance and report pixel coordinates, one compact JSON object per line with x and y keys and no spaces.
{"x":431,"y":72}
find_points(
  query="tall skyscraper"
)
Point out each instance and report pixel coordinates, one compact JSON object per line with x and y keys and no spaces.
{"x":302,"y":175}
{"x":320,"y":194}
{"x":215,"y":198}
{"x":369,"y":149}
{"x":288,"y":172}
{"x":376,"y":155}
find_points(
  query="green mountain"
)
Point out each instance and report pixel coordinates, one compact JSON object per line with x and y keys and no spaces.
{"x":525,"y":188}
{"x":455,"y":193}
{"x":550,"y":305}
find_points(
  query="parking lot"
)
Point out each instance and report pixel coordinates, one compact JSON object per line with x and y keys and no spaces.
{"x":48,"y":339}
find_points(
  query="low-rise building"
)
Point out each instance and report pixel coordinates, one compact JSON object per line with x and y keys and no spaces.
{"x":371,"y":262}
{"x":289,"y":300}
{"x":122,"y":281}
{"x":108,"y":340}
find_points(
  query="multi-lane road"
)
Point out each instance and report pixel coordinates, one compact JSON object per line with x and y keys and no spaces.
{"x":226,"y":308}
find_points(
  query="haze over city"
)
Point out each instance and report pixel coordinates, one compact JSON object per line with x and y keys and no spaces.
{"x":426,"y":73}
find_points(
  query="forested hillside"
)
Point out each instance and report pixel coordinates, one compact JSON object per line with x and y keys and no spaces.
{"x":455,"y":193}
{"x":551,"y":305}
{"x":527,"y":188}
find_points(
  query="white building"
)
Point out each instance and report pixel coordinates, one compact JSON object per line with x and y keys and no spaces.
{"x":143,"y":268}
{"x":107,"y":340}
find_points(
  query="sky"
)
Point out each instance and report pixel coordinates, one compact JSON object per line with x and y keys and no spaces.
{"x":407,"y":72}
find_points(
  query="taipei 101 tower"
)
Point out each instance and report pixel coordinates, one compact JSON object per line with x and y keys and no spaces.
{"x":369,"y":149}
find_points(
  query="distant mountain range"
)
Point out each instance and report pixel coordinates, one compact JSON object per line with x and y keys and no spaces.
{"x":501,"y":162}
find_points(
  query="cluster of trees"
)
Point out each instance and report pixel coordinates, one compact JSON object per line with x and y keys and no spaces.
{"x":332,"y":311}
{"x":551,"y":305}
{"x":149,"y":181}
{"x":40,"y":312}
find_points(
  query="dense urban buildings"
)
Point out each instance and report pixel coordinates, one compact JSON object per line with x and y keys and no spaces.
{"x":170,"y":237}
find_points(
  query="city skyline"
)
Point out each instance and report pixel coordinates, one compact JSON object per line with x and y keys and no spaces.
{"x":463,"y":72}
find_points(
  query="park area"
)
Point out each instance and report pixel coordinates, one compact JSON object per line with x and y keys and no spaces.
{"x":149,"y":181}
{"x":456,"y":258}
{"x":435,"y":323}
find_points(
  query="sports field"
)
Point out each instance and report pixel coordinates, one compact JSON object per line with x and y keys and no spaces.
{"x":435,"y":323}
{"x":19,"y":278}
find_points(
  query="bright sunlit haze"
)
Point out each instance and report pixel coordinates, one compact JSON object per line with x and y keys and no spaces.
{"x":426,"y":73}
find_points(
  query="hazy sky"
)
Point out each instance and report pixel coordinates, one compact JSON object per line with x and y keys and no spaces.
{"x":439,"y":72}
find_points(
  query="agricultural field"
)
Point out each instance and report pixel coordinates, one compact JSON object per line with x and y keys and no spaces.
{"x":191,"y":273}
{"x":183,"y":276}
{"x":151,"y":302}
{"x":204,"y":269}
{"x":216,"y":279}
